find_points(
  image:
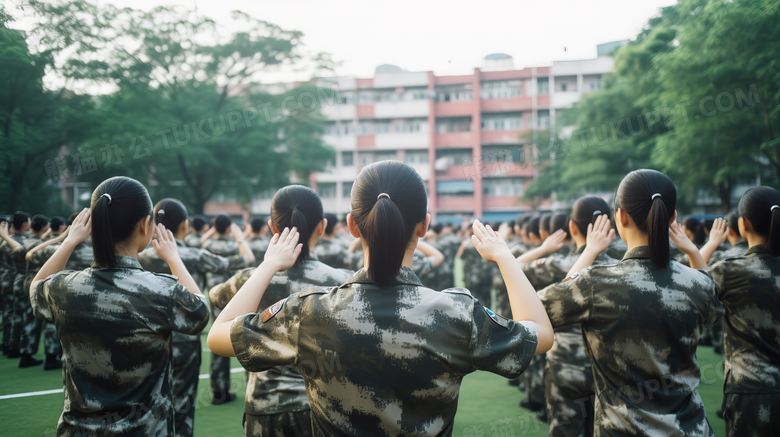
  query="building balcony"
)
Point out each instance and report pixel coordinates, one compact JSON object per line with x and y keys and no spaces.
{"x":543,"y":101}
{"x":455,"y":203}
{"x":339,"y":111}
{"x":521,"y":103}
{"x":402,"y":109}
{"x":416,"y":140}
{"x":564,"y":99}
{"x":341,"y":142}
{"x":454,"y":109}
{"x":454,"y":171}
{"x":504,"y":202}
{"x":335,"y":174}
{"x":455,"y":139}
{"x":500,"y":137}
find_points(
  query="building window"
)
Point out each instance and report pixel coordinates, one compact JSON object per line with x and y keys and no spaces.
{"x":501,"y":89}
{"x":453,"y":124}
{"x":502,"y":187}
{"x":346,"y":189}
{"x":543,"y":86}
{"x":563,"y":87}
{"x":454,"y":188}
{"x":347,"y":159}
{"x":513,"y":122}
{"x":327,"y":191}
{"x":543,"y":119}
{"x":417,"y":158}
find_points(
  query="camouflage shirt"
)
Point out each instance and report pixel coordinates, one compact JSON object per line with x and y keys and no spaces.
{"x":258,"y":245}
{"x":332,"y":252}
{"x":383,"y":361}
{"x":553,"y":268}
{"x":281,"y":388}
{"x":641,"y":326}
{"x":192,"y":239}
{"x":198,"y":262}
{"x":617,"y":248}
{"x":749,"y":288}
{"x":115,"y":327}
{"x":223,"y":246}
{"x":80,"y":259}
{"x":737,"y":250}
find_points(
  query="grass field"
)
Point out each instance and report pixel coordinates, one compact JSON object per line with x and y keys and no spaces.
{"x":484,"y":398}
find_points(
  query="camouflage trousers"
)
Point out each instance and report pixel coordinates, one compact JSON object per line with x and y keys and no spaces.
{"x":752,"y":414}
{"x":290,"y":424}
{"x":7,"y":290}
{"x":569,"y":392}
{"x":534,"y":380}
{"x":219,"y":370}
{"x":186,"y":367}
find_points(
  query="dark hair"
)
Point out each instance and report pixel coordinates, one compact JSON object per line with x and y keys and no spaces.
{"x":39,"y":221}
{"x":332,"y":219}
{"x":586,"y":210}
{"x":222,"y":223}
{"x":544,"y":222}
{"x":56,"y":222}
{"x":697,"y":228}
{"x":171,"y":213}
{"x":387,"y":224}
{"x":3,"y":219}
{"x":198,"y":221}
{"x":437,"y":228}
{"x":72,"y":218}
{"x":560,"y":221}
{"x":114,"y":220}
{"x":19,"y":219}
{"x":732,"y":219}
{"x":532,"y":226}
{"x":708,"y":223}
{"x":257,"y":224}
{"x":636,"y":196}
{"x":495,"y":225}
{"x":758,"y":206}
{"x":298,"y":206}
{"x":520,"y":220}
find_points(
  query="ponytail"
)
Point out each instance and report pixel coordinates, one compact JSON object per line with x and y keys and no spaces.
{"x":649,"y":197}
{"x":118,"y":204}
{"x":761,"y":207}
{"x":300,"y":207}
{"x":388,"y":202}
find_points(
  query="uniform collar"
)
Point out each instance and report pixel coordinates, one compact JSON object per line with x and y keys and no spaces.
{"x":740,"y":243}
{"x":311,"y":256}
{"x":405,"y":276}
{"x":180,"y":243}
{"x":640,"y":252}
{"x":127,"y":262}
{"x":758,"y":248}
{"x":579,"y":250}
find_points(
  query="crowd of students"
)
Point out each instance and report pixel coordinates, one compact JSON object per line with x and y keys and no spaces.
{"x":356,"y":328}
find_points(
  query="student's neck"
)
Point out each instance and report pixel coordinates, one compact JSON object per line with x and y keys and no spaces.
{"x":754,"y":239}
{"x":126,"y":251}
{"x":634,"y":238}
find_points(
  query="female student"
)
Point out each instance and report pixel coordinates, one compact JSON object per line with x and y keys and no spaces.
{"x":749,"y":289}
{"x":276,"y":401}
{"x":395,"y":351}
{"x":115,"y":320}
{"x":172,"y":215}
{"x":641,"y":317}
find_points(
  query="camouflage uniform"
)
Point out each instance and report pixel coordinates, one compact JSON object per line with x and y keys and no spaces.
{"x":7,"y":276}
{"x":478,"y":274}
{"x":422,"y":266}
{"x":356,"y":346}
{"x":219,"y":369}
{"x":617,"y":248}
{"x":715,"y":331}
{"x":641,"y":326}
{"x":448,"y":246}
{"x":187,"y":347}
{"x":115,"y":326}
{"x":749,"y":289}
{"x":568,"y":377}
{"x":193,"y":239}
{"x":29,"y":332}
{"x":258,"y":245}
{"x":276,"y":398}
{"x":333,"y":253}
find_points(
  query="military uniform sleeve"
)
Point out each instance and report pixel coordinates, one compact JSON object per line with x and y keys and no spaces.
{"x":267,"y":339}
{"x":211,"y":263}
{"x":422,"y":266}
{"x":719,"y":275}
{"x":40,"y":257}
{"x":189,"y":313}
{"x":220,"y":295}
{"x":569,"y":301}
{"x":39,"y":300}
{"x":500,"y":345}
{"x":538,"y":273}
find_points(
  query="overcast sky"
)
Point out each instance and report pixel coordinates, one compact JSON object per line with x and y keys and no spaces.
{"x":447,"y":37}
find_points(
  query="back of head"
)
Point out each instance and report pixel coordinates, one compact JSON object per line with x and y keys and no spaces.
{"x":297,"y":206}
{"x":560,"y":221}
{"x":708,"y":223}
{"x":437,"y":228}
{"x":532,"y":226}
{"x":3,"y":219}
{"x":544,"y":223}
{"x":332,"y":220}
{"x":72,"y":218}
{"x":170,"y":213}
{"x":222,"y":223}
{"x":39,"y":221}
{"x":761,"y":207}
{"x":257,"y":224}
{"x":649,"y":197}
{"x":586,"y":210}
{"x":697,"y":228}
{"x":388,"y":202}
{"x":118,"y":204}
{"x":520,"y":220}
{"x":732,"y":220}
{"x":197,"y":222}
{"x":56,"y":222}
{"x":19,"y":219}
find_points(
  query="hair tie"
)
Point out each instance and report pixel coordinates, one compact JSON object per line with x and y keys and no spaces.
{"x":383,"y":196}
{"x":161,"y":212}
{"x":773,"y":208}
{"x":596,"y":212}
{"x":655,"y":195}
{"x":107,"y":196}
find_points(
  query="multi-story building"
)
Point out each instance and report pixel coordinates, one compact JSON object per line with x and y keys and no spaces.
{"x":465,"y":135}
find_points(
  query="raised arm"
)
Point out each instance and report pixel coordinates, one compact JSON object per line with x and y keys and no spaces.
{"x":243,"y":246}
{"x":550,"y":245}
{"x":282,"y":252}
{"x":600,"y":234}
{"x":718,"y":234}
{"x":432,"y":252}
{"x":206,"y":235}
{"x":4,"y":234}
{"x":165,"y":246}
{"x":683,"y":243}
{"x":523,"y":300}
{"x":77,"y":233}
{"x":60,"y":238}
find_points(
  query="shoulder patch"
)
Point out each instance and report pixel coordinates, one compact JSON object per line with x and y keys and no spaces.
{"x":500,"y":321}
{"x":272,"y":310}
{"x":572,"y":277}
{"x":540,"y":261}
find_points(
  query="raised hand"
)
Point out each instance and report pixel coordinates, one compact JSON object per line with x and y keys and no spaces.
{"x":678,"y":237}
{"x":489,"y":243}
{"x":165,"y":244}
{"x":554,"y":241}
{"x":719,"y":231}
{"x":4,"y":230}
{"x":283,"y":250}
{"x":600,"y":234}
{"x":81,"y":228}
